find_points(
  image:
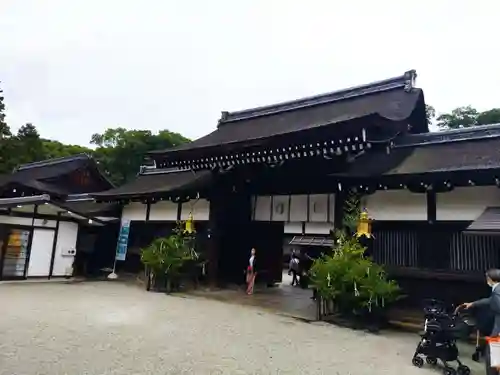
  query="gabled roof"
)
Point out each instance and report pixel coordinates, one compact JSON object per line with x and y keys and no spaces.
{"x":448,"y":151}
{"x":394,"y":99}
{"x":38,"y":175}
{"x":158,"y":183}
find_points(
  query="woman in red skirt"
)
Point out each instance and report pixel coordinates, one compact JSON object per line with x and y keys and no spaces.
{"x":251,"y":272}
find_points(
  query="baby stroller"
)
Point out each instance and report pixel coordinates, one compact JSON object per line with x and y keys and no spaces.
{"x":442,"y":328}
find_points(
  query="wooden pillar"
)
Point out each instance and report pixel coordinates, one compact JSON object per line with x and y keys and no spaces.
{"x":431,"y":207}
{"x":338,"y":210}
{"x":213,"y":233}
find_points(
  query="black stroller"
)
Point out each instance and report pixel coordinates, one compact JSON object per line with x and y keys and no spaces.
{"x":442,"y":328}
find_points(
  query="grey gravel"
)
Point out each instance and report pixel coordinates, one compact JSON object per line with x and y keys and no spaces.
{"x":115,"y":328}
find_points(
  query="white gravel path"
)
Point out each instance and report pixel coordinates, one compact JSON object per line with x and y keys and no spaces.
{"x":111,"y":328}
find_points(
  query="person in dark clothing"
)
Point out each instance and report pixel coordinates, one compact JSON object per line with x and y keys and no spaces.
{"x":493,"y":304}
{"x":294,"y":268}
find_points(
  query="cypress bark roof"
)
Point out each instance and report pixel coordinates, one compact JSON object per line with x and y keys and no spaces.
{"x":41,"y":175}
{"x":156,"y":184}
{"x":467,"y":150}
{"x":393,"y":99}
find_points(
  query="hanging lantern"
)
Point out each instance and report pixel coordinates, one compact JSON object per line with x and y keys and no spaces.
{"x":364,"y":225}
{"x":189,"y":229}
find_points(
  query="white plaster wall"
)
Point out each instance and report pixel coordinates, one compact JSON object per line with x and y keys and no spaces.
{"x":262,"y":210}
{"x":318,"y":208}
{"x":41,"y":252}
{"x":396,"y":205}
{"x":298,"y":208}
{"x":294,"y":208}
{"x":331,"y":207}
{"x":281,"y":207}
{"x":134,"y":211}
{"x":293,"y":228}
{"x":318,"y":228}
{"x":66,"y":240}
{"x":466,"y":203}
{"x":200,"y":209}
{"x":5,"y":219}
{"x":163,"y":211}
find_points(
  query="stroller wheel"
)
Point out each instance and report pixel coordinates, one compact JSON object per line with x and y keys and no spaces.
{"x":417,"y":361}
{"x":463,"y":370}
{"x":476,"y":356}
{"x":449,"y":371}
{"x":431,"y":361}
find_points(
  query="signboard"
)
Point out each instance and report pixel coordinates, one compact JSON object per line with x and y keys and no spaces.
{"x":121,"y":246}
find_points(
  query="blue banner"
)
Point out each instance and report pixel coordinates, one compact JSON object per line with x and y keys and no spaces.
{"x":121,"y":246}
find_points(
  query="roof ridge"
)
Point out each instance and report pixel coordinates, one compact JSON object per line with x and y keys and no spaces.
{"x":481,"y":132}
{"x":43,"y":163}
{"x":406,"y":81}
{"x":154,"y":171}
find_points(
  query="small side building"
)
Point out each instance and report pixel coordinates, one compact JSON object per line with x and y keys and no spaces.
{"x":47,"y":219}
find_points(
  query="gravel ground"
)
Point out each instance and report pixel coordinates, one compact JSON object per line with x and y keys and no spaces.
{"x":113,"y":328}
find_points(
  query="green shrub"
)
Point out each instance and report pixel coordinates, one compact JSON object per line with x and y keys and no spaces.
{"x":353,"y":281}
{"x":166,"y":256}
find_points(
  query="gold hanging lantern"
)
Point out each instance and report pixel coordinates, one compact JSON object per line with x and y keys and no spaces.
{"x":364,"y":225}
{"x":189,"y":229}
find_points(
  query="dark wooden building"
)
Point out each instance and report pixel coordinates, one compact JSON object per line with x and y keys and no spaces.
{"x":47,"y":218}
{"x":277,"y":176}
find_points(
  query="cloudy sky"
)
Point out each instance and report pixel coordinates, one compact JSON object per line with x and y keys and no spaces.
{"x":76,"y":67}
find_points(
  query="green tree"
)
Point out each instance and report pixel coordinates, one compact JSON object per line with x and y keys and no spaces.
{"x":491,"y":116}
{"x":430,"y":113}
{"x":5,"y":140}
{"x":121,"y":152}
{"x":28,"y":145}
{"x":55,"y":149}
{"x":466,"y":117}
{"x":461,"y":117}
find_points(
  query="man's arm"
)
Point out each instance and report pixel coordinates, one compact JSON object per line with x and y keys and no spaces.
{"x":484,"y":302}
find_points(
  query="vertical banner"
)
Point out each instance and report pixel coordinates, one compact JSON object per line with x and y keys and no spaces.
{"x":121,"y":246}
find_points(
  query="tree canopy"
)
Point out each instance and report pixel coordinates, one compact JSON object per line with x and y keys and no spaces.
{"x":119,"y":151}
{"x":463,"y":117}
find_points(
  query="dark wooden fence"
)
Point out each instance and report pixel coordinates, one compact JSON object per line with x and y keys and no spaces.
{"x":435,"y":260}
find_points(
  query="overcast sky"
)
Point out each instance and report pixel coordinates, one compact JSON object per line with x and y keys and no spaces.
{"x":76,"y":67}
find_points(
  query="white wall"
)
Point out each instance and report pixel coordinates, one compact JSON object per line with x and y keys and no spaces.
{"x":294,"y":208}
{"x":167,"y":211}
{"x":298,"y":208}
{"x":162,"y":211}
{"x":41,"y":252}
{"x":318,"y":208}
{"x":5,"y":219}
{"x":293,"y":228}
{"x":396,"y":205}
{"x":134,"y":211}
{"x":200,"y":209}
{"x":262,"y":211}
{"x":66,"y":240}
{"x":281,"y":208}
{"x":466,"y":203}
{"x":318,"y":228}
